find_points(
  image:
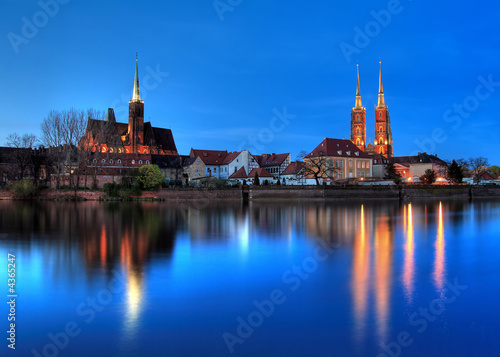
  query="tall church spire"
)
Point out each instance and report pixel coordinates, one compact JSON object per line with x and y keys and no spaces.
{"x":381,"y":101}
{"x":358,"y":93}
{"x":136,"y":95}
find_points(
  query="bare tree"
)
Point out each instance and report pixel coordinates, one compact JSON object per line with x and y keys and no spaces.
{"x":318,"y":167}
{"x":478,"y":165}
{"x":53,"y":138}
{"x":23,"y":153}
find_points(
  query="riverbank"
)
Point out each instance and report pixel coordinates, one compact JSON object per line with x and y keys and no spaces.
{"x":282,"y":193}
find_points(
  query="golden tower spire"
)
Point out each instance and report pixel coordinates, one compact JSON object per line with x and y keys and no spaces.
{"x":136,"y":95}
{"x":381,"y":102}
{"x":358,"y":92}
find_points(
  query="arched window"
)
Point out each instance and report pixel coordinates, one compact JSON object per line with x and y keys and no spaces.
{"x":111,"y":161}
{"x":380,"y":115}
{"x":140,"y":162}
{"x":380,"y":130}
{"x":357,"y":142}
{"x":380,"y":141}
{"x":94,"y":161}
{"x":103,"y":161}
{"x":133,"y":162}
{"x":119,"y":161}
{"x":357,"y":132}
{"x":147,"y":162}
{"x":357,"y":118}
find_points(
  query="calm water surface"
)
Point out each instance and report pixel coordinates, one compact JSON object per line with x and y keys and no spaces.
{"x":222,"y":279}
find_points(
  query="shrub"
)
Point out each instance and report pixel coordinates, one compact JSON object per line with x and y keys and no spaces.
{"x":23,"y":189}
{"x":112,"y":189}
{"x":150,"y":177}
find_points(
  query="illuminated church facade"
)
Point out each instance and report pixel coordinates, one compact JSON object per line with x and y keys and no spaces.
{"x":383,"y":136}
{"x":134,"y":137}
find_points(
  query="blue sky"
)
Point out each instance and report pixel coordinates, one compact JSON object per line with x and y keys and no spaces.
{"x":218,"y":77}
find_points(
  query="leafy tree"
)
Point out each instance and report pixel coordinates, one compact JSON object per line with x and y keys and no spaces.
{"x":429,"y":177}
{"x":23,"y":189}
{"x":150,"y":177}
{"x":495,"y":170}
{"x":392,"y":174}
{"x":455,"y":172}
{"x":256,"y":180}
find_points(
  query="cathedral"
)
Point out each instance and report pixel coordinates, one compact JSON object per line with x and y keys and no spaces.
{"x":383,"y":136}
{"x":134,"y":137}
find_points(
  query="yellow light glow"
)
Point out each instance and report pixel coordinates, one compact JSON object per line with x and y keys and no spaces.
{"x":439,"y":262}
{"x":409,"y":262}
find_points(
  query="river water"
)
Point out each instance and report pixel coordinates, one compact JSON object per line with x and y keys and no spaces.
{"x":267,"y":279}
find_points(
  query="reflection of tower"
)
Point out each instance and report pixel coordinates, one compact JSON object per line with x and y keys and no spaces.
{"x":439,"y":246}
{"x":136,"y":116}
{"x":383,"y":135}
{"x":409,"y":263}
{"x":382,"y":274}
{"x":360,"y":279}
{"x":358,"y":120}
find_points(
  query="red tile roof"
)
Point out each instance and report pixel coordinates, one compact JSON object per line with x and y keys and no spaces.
{"x":293,"y":168}
{"x":261,"y":172}
{"x":210,"y":157}
{"x":230,"y":157}
{"x":269,"y":160}
{"x":337,"y":148}
{"x":240,"y":174}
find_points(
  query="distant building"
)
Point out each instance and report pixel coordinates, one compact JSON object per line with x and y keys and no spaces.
{"x":410,"y":166}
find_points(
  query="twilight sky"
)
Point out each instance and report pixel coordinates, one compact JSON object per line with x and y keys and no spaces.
{"x":268,"y":76}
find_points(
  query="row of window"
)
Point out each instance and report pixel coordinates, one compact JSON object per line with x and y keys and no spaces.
{"x":119,"y":161}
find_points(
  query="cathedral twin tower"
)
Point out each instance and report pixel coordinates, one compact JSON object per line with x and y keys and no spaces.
{"x":383,"y":136}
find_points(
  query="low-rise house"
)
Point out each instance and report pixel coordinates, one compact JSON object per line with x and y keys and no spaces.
{"x":410,"y":166}
{"x":213,"y":160}
{"x":264,"y":176}
{"x":294,"y":174}
{"x":275,"y":164}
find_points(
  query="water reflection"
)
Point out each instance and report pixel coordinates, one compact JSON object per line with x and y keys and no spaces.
{"x":409,"y":260}
{"x":439,"y":262}
{"x":389,"y":252}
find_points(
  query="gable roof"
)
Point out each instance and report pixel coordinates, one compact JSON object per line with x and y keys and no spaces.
{"x":241,"y":174}
{"x":421,"y":158}
{"x":230,"y":157}
{"x":261,"y":172}
{"x":293,"y":168}
{"x":337,"y":148}
{"x":210,"y":157}
{"x":269,"y":160}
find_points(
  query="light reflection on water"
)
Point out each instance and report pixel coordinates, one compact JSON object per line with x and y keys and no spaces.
{"x":191,"y":272}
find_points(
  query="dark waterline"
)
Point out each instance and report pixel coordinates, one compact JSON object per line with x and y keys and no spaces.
{"x":308,"y":279}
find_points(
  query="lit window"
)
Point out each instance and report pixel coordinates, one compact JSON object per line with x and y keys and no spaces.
{"x":359,"y":165}
{"x":133,"y":162}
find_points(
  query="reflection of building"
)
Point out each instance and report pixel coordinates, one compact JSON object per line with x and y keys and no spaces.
{"x":410,"y":166}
